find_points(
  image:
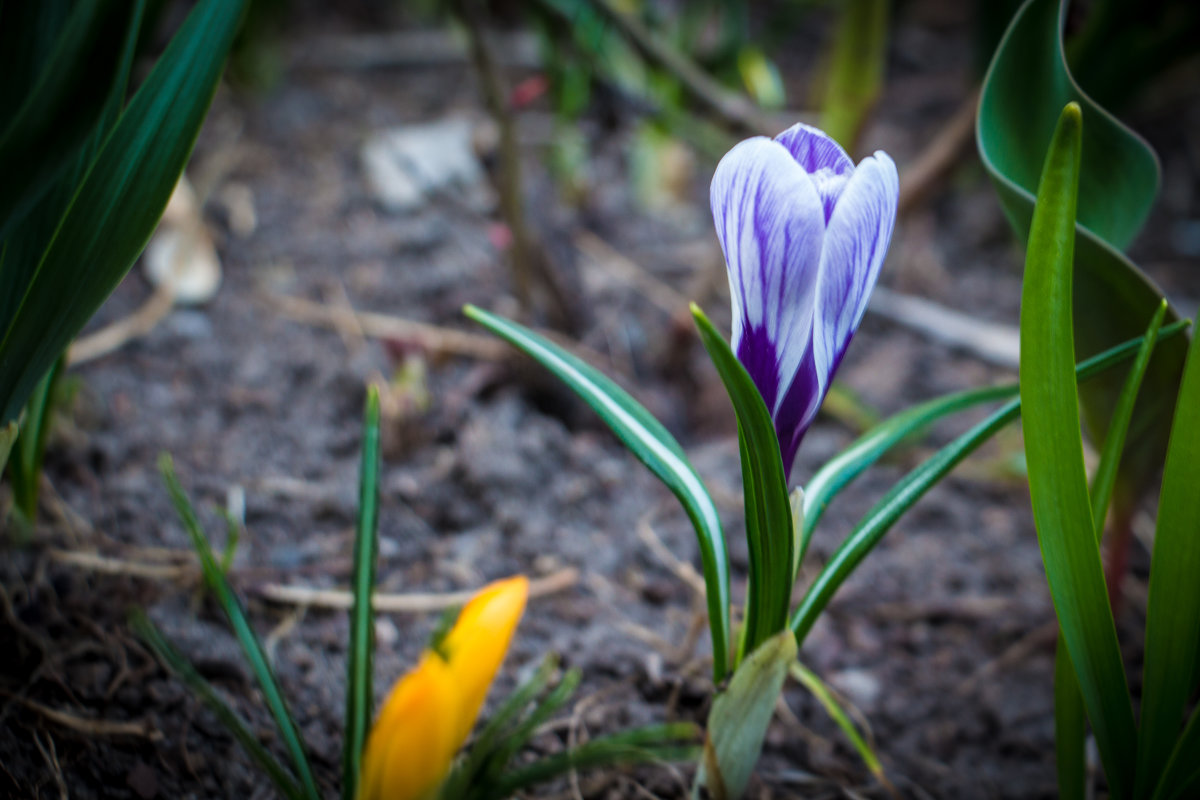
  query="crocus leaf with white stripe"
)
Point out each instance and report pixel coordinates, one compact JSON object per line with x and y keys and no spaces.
{"x":653,"y":445}
{"x":804,"y":234}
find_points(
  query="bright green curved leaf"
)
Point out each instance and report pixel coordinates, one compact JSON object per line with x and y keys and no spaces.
{"x":1070,"y":717}
{"x":653,"y":445}
{"x":1054,"y":456}
{"x":1173,"y":603}
{"x":1026,"y":87}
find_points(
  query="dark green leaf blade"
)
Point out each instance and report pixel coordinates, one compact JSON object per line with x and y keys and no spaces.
{"x":62,"y":108}
{"x":1181,"y":778}
{"x":251,"y":647}
{"x":768,"y":510}
{"x":667,"y":742}
{"x":1026,"y":87}
{"x":178,"y":663}
{"x":360,"y":657}
{"x":119,"y":202}
{"x":1054,"y":455}
{"x":24,"y":246}
{"x":26,"y":469}
{"x":653,"y":445}
{"x":1173,"y":604}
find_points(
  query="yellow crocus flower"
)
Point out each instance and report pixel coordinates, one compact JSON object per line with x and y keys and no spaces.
{"x":432,"y":709}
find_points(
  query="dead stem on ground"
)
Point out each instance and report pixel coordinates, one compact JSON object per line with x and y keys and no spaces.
{"x":88,"y":726}
{"x":409,"y":603}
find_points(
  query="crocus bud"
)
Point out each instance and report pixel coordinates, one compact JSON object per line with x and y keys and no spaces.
{"x":432,"y":709}
{"x":804,"y":233}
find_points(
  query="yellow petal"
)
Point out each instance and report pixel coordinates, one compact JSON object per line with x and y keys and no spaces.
{"x":477,"y":643}
{"x":413,"y":742}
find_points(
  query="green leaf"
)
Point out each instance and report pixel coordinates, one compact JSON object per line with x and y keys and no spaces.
{"x":1026,"y":87}
{"x":738,"y":721}
{"x":1181,"y":778}
{"x":119,"y":202}
{"x":251,"y":647}
{"x":1054,"y":455}
{"x":653,"y":743}
{"x":810,"y":680}
{"x":361,"y":653}
{"x":838,"y":472}
{"x":8,"y":435}
{"x":25,"y":245}
{"x":1173,"y":603}
{"x":1070,"y":727}
{"x":1070,"y":723}
{"x":872,"y":527}
{"x":650,"y":442}
{"x":247,"y":738}
{"x":25,"y":471}
{"x":62,"y":108}
{"x":768,"y":509}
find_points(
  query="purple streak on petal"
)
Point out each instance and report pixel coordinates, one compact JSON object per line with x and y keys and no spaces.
{"x":814,"y":150}
{"x":855,"y":245}
{"x":797,"y":410}
{"x":822,"y":158}
{"x":770,"y":221}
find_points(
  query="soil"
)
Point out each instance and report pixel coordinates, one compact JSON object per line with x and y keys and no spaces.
{"x":943,"y":639}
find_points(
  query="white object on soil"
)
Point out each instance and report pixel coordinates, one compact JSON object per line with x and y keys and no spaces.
{"x":181,"y":254}
{"x":404,"y":166}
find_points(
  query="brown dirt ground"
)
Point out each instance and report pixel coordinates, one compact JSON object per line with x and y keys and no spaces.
{"x":943,"y":639}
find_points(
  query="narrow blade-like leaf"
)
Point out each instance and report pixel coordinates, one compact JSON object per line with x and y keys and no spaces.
{"x":1070,"y":717}
{"x":1173,"y":604}
{"x":248,"y":739}
{"x":768,"y":509}
{"x":836,"y":473}
{"x":1054,"y":454}
{"x":1181,"y":778}
{"x":360,"y":658}
{"x":872,"y":527}
{"x":650,"y":442}
{"x":251,"y":647}
{"x":817,"y":688}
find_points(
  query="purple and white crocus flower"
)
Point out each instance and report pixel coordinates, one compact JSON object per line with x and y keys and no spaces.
{"x":804,"y":233}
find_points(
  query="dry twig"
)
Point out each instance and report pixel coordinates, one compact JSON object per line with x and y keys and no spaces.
{"x":108,"y":565}
{"x":942,"y":152}
{"x":414,"y":603}
{"x":92,"y":727}
{"x":435,"y":339}
{"x":656,"y":291}
{"x":115,"y":335}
